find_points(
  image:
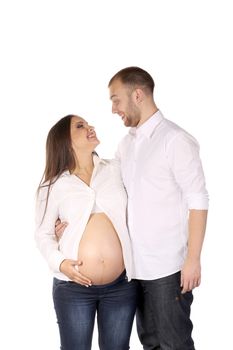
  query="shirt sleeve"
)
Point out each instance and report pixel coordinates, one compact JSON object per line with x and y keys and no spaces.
{"x":45,"y":228}
{"x":118,"y":154}
{"x":185,"y":163}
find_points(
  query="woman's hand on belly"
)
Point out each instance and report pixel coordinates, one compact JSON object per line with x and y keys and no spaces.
{"x":70,"y":269}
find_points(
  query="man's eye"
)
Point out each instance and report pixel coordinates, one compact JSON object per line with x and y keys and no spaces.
{"x":79,"y":126}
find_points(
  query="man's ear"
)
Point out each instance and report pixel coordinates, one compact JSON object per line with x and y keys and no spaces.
{"x":138,"y":95}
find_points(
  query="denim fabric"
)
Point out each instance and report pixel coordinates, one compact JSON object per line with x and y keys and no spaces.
{"x":76,"y":306}
{"x":163,"y":315}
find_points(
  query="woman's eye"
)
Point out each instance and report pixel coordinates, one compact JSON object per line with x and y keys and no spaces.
{"x":79,"y":126}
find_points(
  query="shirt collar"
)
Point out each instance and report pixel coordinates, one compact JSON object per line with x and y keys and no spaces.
{"x":147,"y":128}
{"x":96,"y":160}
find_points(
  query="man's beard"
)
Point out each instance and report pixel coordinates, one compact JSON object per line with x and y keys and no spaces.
{"x":133,"y":116}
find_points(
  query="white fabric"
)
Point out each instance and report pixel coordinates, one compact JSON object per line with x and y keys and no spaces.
{"x":163,"y":176}
{"x":72,"y":201}
{"x":96,"y":209}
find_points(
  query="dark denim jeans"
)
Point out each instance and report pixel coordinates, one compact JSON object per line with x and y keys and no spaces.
{"x":76,"y":306}
{"x":163,"y":315}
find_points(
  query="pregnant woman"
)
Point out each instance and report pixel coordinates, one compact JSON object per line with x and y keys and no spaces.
{"x":87,"y":192}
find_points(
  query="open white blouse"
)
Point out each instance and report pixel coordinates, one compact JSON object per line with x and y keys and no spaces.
{"x":72,"y":201}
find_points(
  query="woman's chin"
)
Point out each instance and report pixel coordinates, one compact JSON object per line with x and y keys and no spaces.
{"x":96,"y":143}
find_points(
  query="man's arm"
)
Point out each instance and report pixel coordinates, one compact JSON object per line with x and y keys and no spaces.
{"x":60,"y":228}
{"x":185,"y":163}
{"x":191,"y":271}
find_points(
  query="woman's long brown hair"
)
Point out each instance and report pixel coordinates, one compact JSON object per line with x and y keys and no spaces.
{"x":59,"y":154}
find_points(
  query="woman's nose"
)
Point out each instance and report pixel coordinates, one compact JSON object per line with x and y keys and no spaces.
{"x":114,"y":110}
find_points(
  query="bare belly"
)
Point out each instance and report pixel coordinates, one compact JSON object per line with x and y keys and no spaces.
{"x":100,"y":251}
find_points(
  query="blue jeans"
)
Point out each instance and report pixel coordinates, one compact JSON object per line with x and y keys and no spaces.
{"x":76,"y":306}
{"x":163,"y":315}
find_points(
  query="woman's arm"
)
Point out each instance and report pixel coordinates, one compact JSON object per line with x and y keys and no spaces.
{"x":46,"y":216}
{"x":47,"y":241}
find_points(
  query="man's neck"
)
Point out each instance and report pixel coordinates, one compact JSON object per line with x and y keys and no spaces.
{"x":147,"y":114}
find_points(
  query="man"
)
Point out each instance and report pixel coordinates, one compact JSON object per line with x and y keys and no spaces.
{"x":167,"y":211}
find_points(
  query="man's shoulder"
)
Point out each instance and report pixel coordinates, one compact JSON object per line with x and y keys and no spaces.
{"x":173,"y":130}
{"x":175,"y":134}
{"x":172,"y":127}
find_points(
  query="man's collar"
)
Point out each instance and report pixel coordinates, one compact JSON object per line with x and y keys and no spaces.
{"x":147,"y":128}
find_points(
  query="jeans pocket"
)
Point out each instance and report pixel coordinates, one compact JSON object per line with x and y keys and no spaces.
{"x":187,"y":298}
{"x":57,"y":284}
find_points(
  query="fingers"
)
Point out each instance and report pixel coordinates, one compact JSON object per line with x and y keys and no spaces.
{"x":70,"y":269}
{"x":57,"y":222}
{"x":190,"y":275}
{"x":60,"y":228}
{"x":188,"y":284}
{"x":195,"y":283}
{"x":184,"y":284}
{"x":81,"y":279}
{"x":185,"y":287}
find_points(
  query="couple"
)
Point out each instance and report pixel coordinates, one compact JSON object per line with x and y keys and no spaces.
{"x":100,"y":268}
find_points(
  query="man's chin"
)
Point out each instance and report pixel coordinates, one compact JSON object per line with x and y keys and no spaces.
{"x":127,"y":122}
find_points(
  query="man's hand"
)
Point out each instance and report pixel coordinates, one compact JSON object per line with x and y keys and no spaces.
{"x":70,"y":269}
{"x":191,"y":271}
{"x":190,"y":275}
{"x":60,"y":228}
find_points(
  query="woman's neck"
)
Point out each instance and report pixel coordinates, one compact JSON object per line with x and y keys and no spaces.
{"x":84,"y":164}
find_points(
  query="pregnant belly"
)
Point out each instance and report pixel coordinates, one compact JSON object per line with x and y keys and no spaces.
{"x":100,"y":251}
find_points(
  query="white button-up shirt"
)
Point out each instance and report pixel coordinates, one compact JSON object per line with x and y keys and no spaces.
{"x":72,"y":201}
{"x":163,"y":176}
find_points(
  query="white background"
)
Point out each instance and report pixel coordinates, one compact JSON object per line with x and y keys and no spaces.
{"x":57,"y":58}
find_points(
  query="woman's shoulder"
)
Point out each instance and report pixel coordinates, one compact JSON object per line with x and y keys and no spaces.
{"x":112,"y":162}
{"x":111,"y":170}
{"x":54,"y":186}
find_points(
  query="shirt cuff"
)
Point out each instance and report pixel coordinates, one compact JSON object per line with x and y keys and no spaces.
{"x":55,"y":261}
{"x":198,"y":201}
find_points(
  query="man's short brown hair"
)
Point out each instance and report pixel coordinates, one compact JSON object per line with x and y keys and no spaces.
{"x":135,"y":77}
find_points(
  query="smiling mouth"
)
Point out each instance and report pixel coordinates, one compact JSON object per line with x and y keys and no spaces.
{"x":122,"y":116}
{"x":92,"y":136}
